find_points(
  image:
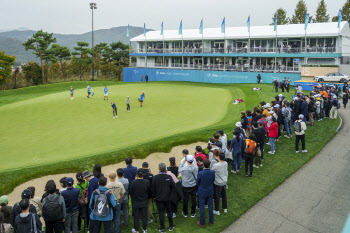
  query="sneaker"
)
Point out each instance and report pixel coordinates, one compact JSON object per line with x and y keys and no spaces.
{"x":216,"y":212}
{"x":257,"y":166}
{"x":174,"y":215}
{"x":297,"y":152}
{"x":225,"y":211}
{"x":261,"y":165}
{"x":193,"y":215}
{"x":113,"y":117}
{"x":304,"y":151}
{"x":233,"y":171}
{"x":133,"y":231}
{"x":271,"y":152}
{"x":206,"y":206}
{"x":144,"y":231}
{"x":237,"y":171}
{"x":150,"y":221}
{"x":246,"y":174}
{"x":161,"y":230}
{"x":185,"y":215}
{"x":268,"y":144}
{"x":171,"y":228}
{"x":116,"y":116}
{"x":250,"y":175}
{"x":286,"y":136}
{"x":254,"y":166}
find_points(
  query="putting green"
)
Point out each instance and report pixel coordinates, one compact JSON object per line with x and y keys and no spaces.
{"x":53,"y":127}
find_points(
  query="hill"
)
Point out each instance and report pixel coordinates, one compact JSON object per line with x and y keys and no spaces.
{"x":11,"y":41}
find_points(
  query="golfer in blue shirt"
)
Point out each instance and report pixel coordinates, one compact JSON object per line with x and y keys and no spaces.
{"x":105,"y":91}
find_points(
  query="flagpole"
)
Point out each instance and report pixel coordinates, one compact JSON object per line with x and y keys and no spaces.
{"x":225,"y":44}
{"x":276,"y":49}
{"x":163,"y":45}
{"x":202,"y":43}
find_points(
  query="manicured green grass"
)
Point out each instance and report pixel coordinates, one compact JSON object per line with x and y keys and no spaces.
{"x":55,"y":128}
{"x":243,"y":192}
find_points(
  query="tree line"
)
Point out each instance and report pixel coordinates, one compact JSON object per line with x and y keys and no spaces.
{"x":321,"y":15}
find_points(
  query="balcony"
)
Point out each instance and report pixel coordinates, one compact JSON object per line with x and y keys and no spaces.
{"x":285,"y":50}
{"x":222,"y":67}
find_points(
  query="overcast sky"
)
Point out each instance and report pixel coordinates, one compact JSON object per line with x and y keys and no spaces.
{"x":74,"y":16}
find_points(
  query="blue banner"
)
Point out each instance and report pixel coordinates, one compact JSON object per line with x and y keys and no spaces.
{"x":180,"y":28}
{"x":223,"y":26}
{"x":340,"y":17}
{"x":206,"y":76}
{"x":276,"y":20}
{"x":306,"y":20}
{"x":201,"y":27}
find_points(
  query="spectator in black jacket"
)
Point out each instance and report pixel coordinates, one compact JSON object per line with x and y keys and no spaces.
{"x":262,"y":142}
{"x":259,"y":138}
{"x":162,"y":186}
{"x":244,"y":120}
{"x":173,"y":168}
{"x":16,"y":208}
{"x":27,"y":221}
{"x":148,"y":176}
{"x":279,"y":118}
{"x":311,"y":108}
{"x":296,"y":106}
{"x":140,"y":190}
{"x":200,"y":163}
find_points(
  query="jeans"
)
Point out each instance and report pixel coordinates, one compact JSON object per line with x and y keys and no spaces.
{"x":288,"y":127}
{"x":127,"y":107}
{"x":125,"y":209}
{"x":137,"y":211}
{"x":297,"y":138}
{"x":163,"y":206}
{"x":272,"y":142}
{"x":202,"y":201}
{"x":335,"y":110}
{"x":237,"y":160}
{"x":262,"y":150}
{"x":220,"y":192}
{"x":57,"y":226}
{"x":71,"y":221}
{"x":189,"y":192}
{"x":116,"y":217}
{"x":96,"y":226}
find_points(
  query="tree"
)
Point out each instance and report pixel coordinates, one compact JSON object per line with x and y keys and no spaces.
{"x":40,"y":43}
{"x":281,"y":17}
{"x":61,"y":53}
{"x":32,"y":72}
{"x":299,"y":13}
{"x":321,"y":13}
{"x":97,"y":53}
{"x":83,"y":62}
{"x":55,"y":70}
{"x":345,"y":11}
{"x":6,"y":62}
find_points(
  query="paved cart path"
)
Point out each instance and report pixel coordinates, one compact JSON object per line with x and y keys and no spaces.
{"x":315,"y":199}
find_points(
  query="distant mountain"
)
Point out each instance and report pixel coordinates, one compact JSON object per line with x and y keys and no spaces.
{"x":16,"y":29}
{"x":11,"y":41}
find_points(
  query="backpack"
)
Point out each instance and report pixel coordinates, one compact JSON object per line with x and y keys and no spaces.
{"x":101,"y":205}
{"x":297,"y":126}
{"x":52,"y":210}
{"x":250,"y":147}
{"x":84,"y":195}
{"x":287,"y":114}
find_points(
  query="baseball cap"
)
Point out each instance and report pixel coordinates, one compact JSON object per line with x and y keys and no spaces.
{"x":268,"y":105}
{"x":276,"y":106}
{"x":162,"y":166}
{"x":69,"y":181}
{"x":4,"y":200}
{"x":26,"y":194}
{"x":144,"y":164}
{"x":86,"y":174}
{"x":301,"y":116}
{"x":271,"y":112}
{"x":190,"y":158}
{"x":239,"y":124}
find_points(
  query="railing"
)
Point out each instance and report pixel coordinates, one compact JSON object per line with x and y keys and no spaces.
{"x":239,"y":50}
{"x":227,"y":67}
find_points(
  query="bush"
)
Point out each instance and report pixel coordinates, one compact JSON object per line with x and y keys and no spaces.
{"x":32,"y":72}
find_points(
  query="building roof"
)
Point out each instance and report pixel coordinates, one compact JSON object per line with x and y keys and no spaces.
{"x":290,"y":30}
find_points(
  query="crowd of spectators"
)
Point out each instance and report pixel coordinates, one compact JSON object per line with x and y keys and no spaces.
{"x":93,"y":199}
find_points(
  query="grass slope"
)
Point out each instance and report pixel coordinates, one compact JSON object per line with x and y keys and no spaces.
{"x":243,"y":192}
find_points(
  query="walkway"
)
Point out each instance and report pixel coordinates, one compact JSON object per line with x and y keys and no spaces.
{"x":315,"y":199}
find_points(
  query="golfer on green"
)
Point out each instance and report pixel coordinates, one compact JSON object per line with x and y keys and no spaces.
{"x":114,"y":107}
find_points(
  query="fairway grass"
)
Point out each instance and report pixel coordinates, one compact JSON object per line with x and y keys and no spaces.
{"x":55,"y":128}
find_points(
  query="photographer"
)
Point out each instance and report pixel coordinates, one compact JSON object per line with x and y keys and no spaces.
{"x":275,"y":83}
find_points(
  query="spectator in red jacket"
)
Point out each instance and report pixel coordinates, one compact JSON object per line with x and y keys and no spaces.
{"x":199,"y":154}
{"x":273,"y":134}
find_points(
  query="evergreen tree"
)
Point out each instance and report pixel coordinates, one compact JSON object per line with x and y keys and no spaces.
{"x":61,"y":53}
{"x":83,"y":62}
{"x":299,"y":13}
{"x":281,"y":17}
{"x":345,"y":11}
{"x":321,"y":13}
{"x":6,"y":62}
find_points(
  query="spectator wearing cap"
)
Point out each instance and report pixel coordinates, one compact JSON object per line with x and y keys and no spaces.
{"x":54,"y":209}
{"x":334,"y":108}
{"x":16,"y":210}
{"x":223,"y":140}
{"x":35,"y":201}
{"x":162,"y":187}
{"x":239,"y":128}
{"x":213,"y":147}
{"x":300,"y":136}
{"x":205,"y":183}
{"x":199,"y":153}
{"x":236,"y":145}
{"x":173,"y":168}
{"x":6,"y":210}
{"x":97,"y":220}
{"x":304,"y":108}
{"x":27,"y":221}
{"x":148,"y":176}
{"x":118,"y":190}
{"x":140,"y":192}
{"x":124,"y":202}
{"x":71,"y":197}
{"x":188,"y":178}
{"x":130,"y":170}
{"x":221,"y":176}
